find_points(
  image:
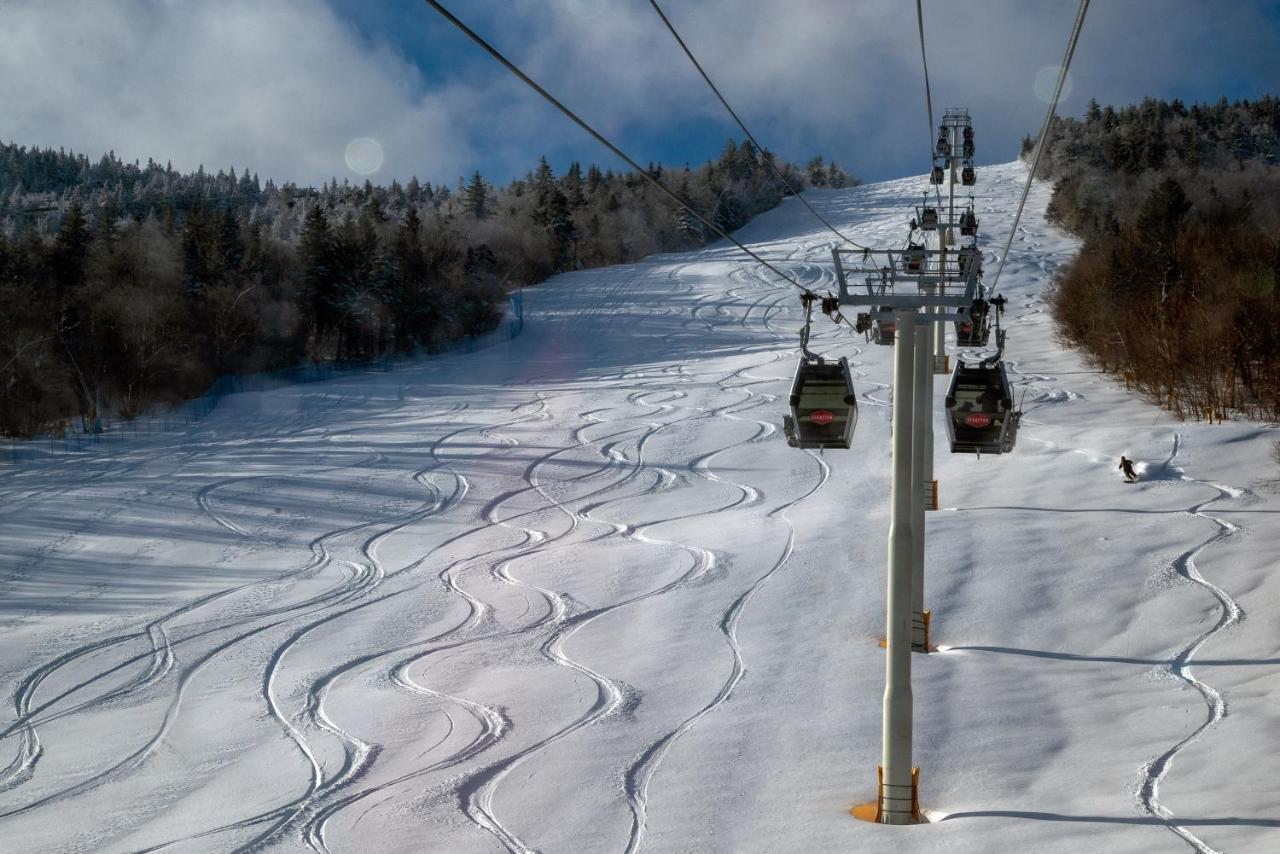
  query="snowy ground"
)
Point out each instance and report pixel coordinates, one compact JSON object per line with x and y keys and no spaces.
{"x":574,"y":594}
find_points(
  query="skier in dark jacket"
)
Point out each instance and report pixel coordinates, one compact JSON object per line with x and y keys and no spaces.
{"x":1126,"y":466}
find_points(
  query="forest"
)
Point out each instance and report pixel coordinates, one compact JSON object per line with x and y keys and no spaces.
{"x":124,"y":286}
{"x":1177,"y":287}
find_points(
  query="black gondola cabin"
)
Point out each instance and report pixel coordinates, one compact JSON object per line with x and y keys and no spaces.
{"x":883,"y":331}
{"x":824,"y":409}
{"x":913,"y":258}
{"x":980,"y":414}
{"x":975,"y":330}
{"x":967,"y":176}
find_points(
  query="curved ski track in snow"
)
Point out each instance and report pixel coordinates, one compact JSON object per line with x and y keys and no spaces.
{"x":1154,"y":772}
{"x":640,"y":774}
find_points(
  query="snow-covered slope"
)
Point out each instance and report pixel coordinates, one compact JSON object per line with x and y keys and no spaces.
{"x":574,"y":594}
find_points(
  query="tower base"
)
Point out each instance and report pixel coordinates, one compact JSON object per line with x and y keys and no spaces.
{"x":874,"y":811}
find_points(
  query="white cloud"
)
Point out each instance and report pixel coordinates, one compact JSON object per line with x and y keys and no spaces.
{"x":283,"y":86}
{"x":845,"y":78}
{"x":280,"y":86}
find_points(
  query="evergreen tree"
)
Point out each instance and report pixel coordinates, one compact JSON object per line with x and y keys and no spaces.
{"x":476,"y":200}
{"x":71,"y":248}
{"x":571,"y":183}
{"x":315,"y":251}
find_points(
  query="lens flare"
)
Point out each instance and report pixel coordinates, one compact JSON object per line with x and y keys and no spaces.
{"x":364,"y":155}
{"x":1046,"y":79}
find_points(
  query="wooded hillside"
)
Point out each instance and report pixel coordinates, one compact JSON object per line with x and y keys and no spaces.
{"x":1177,"y":287}
{"x":123,"y":285}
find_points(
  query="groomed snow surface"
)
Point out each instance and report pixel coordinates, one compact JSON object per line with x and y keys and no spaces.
{"x":574,"y":593}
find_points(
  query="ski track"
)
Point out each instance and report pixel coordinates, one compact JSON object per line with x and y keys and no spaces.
{"x":639,"y":775}
{"x":162,"y":656}
{"x":1180,"y":666}
{"x":358,"y":755}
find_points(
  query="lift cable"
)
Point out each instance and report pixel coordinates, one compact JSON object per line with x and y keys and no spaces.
{"x":1044,"y":135}
{"x":776,"y":171}
{"x":928,"y":96}
{"x":492,"y":51}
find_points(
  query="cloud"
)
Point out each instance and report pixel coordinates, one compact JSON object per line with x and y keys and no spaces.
{"x":845,"y":79}
{"x":284,"y":86}
{"x":281,"y":87}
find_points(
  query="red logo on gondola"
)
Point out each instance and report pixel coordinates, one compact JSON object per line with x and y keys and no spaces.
{"x":977,"y":419}
{"x":821,"y":416}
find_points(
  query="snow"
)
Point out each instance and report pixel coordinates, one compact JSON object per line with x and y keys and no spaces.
{"x":575,"y":593}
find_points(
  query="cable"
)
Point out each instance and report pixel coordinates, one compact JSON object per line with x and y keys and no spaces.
{"x":754,"y":142}
{"x":928,"y":96}
{"x":1044,"y":134}
{"x":928,"y":99}
{"x":492,"y":51}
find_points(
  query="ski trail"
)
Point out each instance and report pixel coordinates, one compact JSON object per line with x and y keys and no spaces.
{"x":640,"y":774}
{"x":638,"y":777}
{"x":477,"y":794}
{"x":1155,"y":771}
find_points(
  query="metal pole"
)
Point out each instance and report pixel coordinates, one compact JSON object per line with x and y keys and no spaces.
{"x":921,"y":451}
{"x":896,"y":788}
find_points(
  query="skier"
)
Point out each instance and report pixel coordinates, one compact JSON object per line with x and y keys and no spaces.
{"x":1126,"y":466}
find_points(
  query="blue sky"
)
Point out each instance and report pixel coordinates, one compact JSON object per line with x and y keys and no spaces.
{"x":285,"y":87}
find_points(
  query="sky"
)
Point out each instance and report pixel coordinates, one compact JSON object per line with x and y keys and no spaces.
{"x":309,"y":90}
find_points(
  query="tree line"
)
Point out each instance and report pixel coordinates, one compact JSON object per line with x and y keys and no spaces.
{"x":1177,"y":286}
{"x":123,"y":285}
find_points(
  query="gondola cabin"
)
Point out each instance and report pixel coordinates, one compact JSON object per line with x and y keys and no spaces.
{"x":968,"y":224}
{"x":968,"y":149}
{"x":974,"y":330}
{"x":929,"y":218}
{"x":824,"y":409}
{"x":937,"y":175}
{"x":944,"y":146}
{"x":883,"y":331}
{"x":967,"y":258}
{"x":967,"y":176}
{"x":913,"y":258}
{"x":980,"y":415}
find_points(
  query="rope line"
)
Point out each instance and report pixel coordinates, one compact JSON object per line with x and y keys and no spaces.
{"x":1044,"y":135}
{"x":776,"y":171}
{"x":617,"y":152}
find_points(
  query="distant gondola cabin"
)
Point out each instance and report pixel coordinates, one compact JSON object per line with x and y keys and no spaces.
{"x":967,"y":176}
{"x":975,"y":329}
{"x":913,"y":258}
{"x":824,"y":409}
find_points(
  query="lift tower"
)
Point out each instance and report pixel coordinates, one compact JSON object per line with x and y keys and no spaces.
{"x":913,"y":288}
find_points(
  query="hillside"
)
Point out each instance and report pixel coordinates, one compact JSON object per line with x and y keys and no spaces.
{"x":575,"y":593}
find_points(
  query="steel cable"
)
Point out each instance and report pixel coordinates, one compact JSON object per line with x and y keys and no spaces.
{"x":776,"y":171}
{"x":1044,"y":135}
{"x":617,"y":152}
